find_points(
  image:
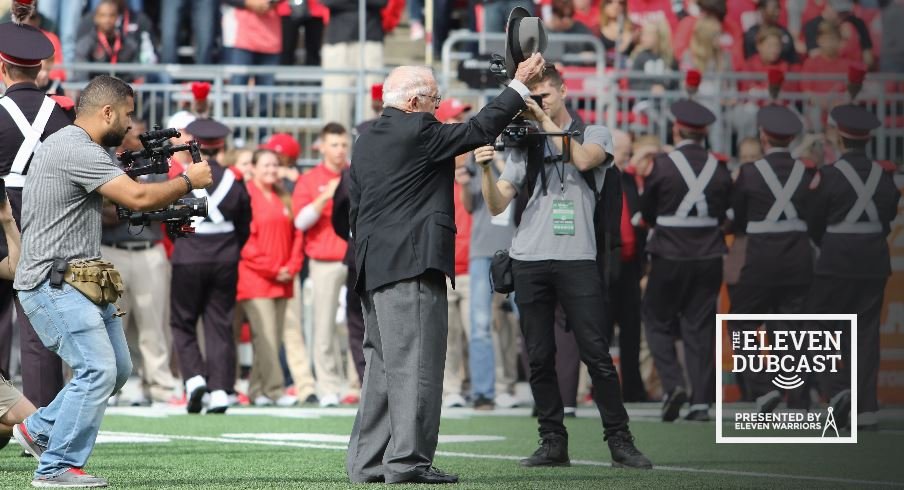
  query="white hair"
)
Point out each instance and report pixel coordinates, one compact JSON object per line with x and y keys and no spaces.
{"x":405,"y":82}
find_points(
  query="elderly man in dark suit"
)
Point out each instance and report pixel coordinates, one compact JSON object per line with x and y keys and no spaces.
{"x":402,"y":222}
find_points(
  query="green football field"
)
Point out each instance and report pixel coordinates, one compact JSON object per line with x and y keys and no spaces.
{"x":305,"y":448}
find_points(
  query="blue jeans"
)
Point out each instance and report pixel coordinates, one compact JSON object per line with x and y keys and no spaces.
{"x":236,"y":56}
{"x":481,"y":360}
{"x":66,"y":14}
{"x":204,"y":15}
{"x":91,"y":341}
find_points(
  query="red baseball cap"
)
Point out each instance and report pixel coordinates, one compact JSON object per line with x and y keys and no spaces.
{"x":283,"y":144}
{"x":450,"y":108}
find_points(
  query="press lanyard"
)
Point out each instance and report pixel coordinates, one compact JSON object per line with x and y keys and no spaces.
{"x":117,"y":45}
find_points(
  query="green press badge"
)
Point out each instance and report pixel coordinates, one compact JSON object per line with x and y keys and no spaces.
{"x":563,"y":217}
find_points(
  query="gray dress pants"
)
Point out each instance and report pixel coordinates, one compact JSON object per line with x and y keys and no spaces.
{"x":397,"y":426}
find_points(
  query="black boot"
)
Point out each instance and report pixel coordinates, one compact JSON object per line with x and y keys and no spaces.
{"x":624,"y":454}
{"x":553,"y":451}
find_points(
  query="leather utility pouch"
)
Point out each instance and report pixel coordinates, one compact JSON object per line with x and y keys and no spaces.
{"x":97,"y":279}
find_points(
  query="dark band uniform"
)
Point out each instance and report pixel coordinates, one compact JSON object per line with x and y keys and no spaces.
{"x":686,"y":196}
{"x":769,"y":200}
{"x":27,"y":117}
{"x":205,"y":271}
{"x":853,"y":204}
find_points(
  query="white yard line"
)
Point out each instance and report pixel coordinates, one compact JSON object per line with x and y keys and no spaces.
{"x":503,"y":457}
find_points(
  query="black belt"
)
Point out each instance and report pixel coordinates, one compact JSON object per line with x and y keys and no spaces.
{"x":132,"y":246}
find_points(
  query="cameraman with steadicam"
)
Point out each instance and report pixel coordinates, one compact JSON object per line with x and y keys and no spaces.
{"x":554,"y":253}
{"x":66,"y":291}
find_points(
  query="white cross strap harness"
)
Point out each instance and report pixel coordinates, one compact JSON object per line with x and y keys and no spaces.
{"x":695,"y":198}
{"x":782,"y":205}
{"x":32,"y":133}
{"x":215,"y":222}
{"x":864,"y":203}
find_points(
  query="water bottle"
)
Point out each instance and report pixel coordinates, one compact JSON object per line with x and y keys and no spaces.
{"x":147,"y":56}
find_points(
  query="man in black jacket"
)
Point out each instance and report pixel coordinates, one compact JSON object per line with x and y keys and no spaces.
{"x":685,"y":199}
{"x":402,"y":222}
{"x":854,"y":200}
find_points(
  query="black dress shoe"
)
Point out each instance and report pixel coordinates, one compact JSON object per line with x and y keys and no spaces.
{"x":672,"y":405}
{"x":429,"y":476}
{"x":625,"y":454}
{"x":553,"y":451}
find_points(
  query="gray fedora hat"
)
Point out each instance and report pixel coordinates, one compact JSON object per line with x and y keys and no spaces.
{"x":525,"y":36}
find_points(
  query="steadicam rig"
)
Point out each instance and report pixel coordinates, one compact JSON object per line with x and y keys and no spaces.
{"x":153,"y":158}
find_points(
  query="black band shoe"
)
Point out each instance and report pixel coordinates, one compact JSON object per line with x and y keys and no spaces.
{"x":625,"y":454}
{"x":553,"y":451}
{"x":429,"y":475}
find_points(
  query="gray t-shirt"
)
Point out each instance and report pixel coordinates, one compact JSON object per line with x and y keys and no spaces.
{"x":488,"y":233}
{"x":534,"y":238}
{"x":61,"y":213}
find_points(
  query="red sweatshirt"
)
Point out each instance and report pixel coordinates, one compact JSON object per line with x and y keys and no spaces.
{"x":463,"y":236}
{"x":274,"y":243}
{"x":321,"y":242}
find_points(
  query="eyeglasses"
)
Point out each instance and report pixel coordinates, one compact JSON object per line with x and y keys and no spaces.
{"x":436,"y":99}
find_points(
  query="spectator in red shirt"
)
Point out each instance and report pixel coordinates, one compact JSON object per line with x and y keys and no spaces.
{"x":313,"y":200}
{"x":826,"y":60}
{"x":587,"y":12}
{"x":769,"y":50}
{"x":271,"y":259}
{"x":856,"y":43}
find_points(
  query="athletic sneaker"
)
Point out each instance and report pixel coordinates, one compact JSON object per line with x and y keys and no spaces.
{"x":219,"y":402}
{"x":287,"y":401}
{"x":263,"y":401}
{"x":454,"y":401}
{"x":20,"y":432}
{"x":329,"y":401}
{"x":195,"y":389}
{"x":71,"y":478}
{"x":506,"y":400}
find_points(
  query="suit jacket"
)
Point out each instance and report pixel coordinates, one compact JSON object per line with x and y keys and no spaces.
{"x":341,"y":205}
{"x":664,"y":190}
{"x":772,"y":258}
{"x":843,"y":254}
{"x":401,"y":214}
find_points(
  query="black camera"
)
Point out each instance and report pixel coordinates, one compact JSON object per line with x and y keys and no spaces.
{"x":155,"y":153}
{"x":176,"y":216}
{"x":153,"y":158}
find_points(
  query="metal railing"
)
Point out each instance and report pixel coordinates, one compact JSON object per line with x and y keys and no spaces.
{"x":600,"y":96}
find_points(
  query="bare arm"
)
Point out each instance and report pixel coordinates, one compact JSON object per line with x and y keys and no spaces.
{"x":13,"y":242}
{"x":149,"y":197}
{"x":584,"y":157}
{"x":497,"y":193}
